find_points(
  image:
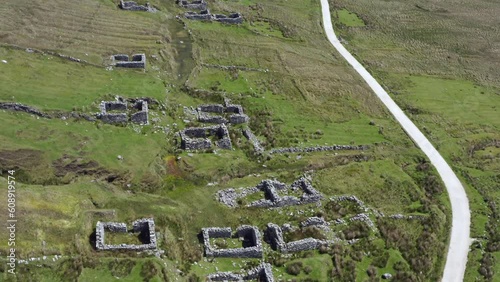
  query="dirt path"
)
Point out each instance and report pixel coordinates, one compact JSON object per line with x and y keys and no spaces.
{"x":459,"y":242}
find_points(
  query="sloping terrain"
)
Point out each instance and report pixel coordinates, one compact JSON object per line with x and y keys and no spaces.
{"x":72,"y":172}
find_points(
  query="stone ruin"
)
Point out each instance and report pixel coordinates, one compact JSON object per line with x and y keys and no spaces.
{"x":117,"y":112}
{"x":235,"y":112}
{"x":274,"y":236}
{"x":272,"y":198}
{"x":145,"y":226}
{"x":233,"y":18}
{"x":140,"y":112}
{"x":194,"y":5}
{"x":196,"y":138}
{"x":202,"y":15}
{"x":254,"y":140}
{"x":262,"y":273}
{"x":123,"y":61}
{"x":251,"y":241}
{"x":133,"y":6}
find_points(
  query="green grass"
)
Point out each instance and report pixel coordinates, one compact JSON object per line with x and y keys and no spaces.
{"x":310,"y":94}
{"x":51,"y":83}
{"x":348,"y":18}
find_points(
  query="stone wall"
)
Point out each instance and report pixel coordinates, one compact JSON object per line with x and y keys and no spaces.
{"x":193,"y":5}
{"x":272,"y":194}
{"x":202,"y":15}
{"x":262,"y":273}
{"x":274,"y":235}
{"x":234,"y":18}
{"x":252,"y":246}
{"x":133,"y":6}
{"x":22,"y":108}
{"x":317,"y":149}
{"x":145,"y":226}
{"x":196,"y":138}
{"x":254,"y":140}
{"x":121,"y":60}
{"x":140,"y":116}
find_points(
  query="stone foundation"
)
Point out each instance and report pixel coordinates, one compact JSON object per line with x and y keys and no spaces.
{"x":272,"y":194}
{"x":274,"y":235}
{"x":262,"y":273}
{"x":122,"y":61}
{"x":193,"y":5}
{"x":145,"y":226}
{"x":120,"y":112}
{"x":252,"y":245}
{"x":133,"y":6}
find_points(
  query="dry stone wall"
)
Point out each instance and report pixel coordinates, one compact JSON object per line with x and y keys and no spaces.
{"x":117,"y":112}
{"x":133,"y":6}
{"x":252,"y":245}
{"x":122,"y":60}
{"x":262,"y":273}
{"x":272,"y":194}
{"x":274,"y":235}
{"x":197,"y":138}
{"x":317,"y":149}
{"x":145,"y":226}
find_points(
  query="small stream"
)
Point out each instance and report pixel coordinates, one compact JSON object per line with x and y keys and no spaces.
{"x":181,"y":42}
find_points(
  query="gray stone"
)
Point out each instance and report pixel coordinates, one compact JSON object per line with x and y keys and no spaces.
{"x":145,"y":226}
{"x":121,"y":60}
{"x":193,"y":5}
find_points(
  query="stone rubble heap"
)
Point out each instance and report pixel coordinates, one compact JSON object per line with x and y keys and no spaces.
{"x":123,"y":61}
{"x":363,"y":217}
{"x":145,"y":226}
{"x":196,"y":138}
{"x":274,"y":235}
{"x":317,"y":149}
{"x":133,"y":6}
{"x":272,"y":198}
{"x":252,"y":245}
{"x":262,"y":273}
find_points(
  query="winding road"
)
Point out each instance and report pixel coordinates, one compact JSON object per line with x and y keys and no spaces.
{"x":459,"y":242}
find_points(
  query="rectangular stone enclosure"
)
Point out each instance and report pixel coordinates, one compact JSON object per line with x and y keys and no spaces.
{"x":123,"y":61}
{"x":251,"y":242}
{"x":145,"y":227}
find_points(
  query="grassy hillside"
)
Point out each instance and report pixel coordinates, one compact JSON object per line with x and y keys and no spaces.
{"x":297,"y":91}
{"x":439,"y":61}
